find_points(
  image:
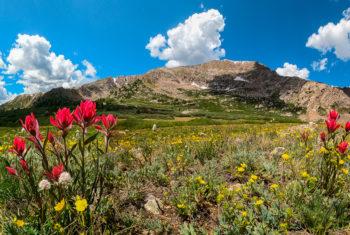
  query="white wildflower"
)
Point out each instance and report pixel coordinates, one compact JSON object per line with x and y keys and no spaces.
{"x":154,"y":127}
{"x":44,"y":185}
{"x":64,"y":178}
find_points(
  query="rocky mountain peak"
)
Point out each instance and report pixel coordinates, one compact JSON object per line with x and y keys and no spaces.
{"x":244,"y":79}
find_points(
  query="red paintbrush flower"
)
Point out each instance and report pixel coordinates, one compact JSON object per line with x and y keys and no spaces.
{"x":51,"y":138}
{"x":347,"y":126}
{"x":323,"y":136}
{"x":31,"y":125}
{"x":332,"y":125}
{"x":55,"y":172}
{"x":24,"y":165}
{"x":333,"y":115}
{"x":11,"y":170}
{"x":342,"y":147}
{"x":63,"y":120}
{"x":18,"y":147}
{"x":85,"y":114}
{"x":108,"y":121}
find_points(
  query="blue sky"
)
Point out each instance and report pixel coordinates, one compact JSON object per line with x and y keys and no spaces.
{"x":112,"y":35}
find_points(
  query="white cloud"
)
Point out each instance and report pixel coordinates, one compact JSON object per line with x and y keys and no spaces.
{"x":195,"y":41}
{"x":90,"y":69}
{"x":291,"y":70}
{"x":346,"y":14}
{"x":319,"y":65}
{"x":4,"y":94}
{"x":2,"y":63}
{"x":40,"y":69}
{"x":333,"y":38}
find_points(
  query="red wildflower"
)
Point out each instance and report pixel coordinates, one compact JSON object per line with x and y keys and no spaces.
{"x":24,"y":165}
{"x":11,"y":170}
{"x":109,"y":121}
{"x":18,"y":147}
{"x":333,"y":115}
{"x":63,"y":120}
{"x":31,"y":125}
{"x":51,"y":137}
{"x":85,"y":114}
{"x":323,"y":136}
{"x":55,"y":172}
{"x":332,"y":125}
{"x":347,"y":126}
{"x":343,"y":146}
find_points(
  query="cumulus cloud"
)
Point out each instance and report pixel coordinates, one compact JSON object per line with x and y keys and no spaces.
{"x":4,"y":94}
{"x":346,"y":14}
{"x":90,"y":69}
{"x":40,"y":69}
{"x":319,"y":65}
{"x":2,"y":63}
{"x":333,"y":38}
{"x":197,"y":40}
{"x":291,"y":70}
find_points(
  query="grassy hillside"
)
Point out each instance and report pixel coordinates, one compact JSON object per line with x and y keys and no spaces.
{"x":215,"y":109}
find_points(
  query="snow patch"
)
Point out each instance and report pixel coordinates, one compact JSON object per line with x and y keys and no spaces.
{"x":201,"y":87}
{"x":238,"y":62}
{"x":241,"y":79}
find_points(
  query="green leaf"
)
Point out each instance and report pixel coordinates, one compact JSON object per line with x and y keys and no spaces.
{"x":90,"y":139}
{"x":72,"y":149}
{"x":46,"y":139}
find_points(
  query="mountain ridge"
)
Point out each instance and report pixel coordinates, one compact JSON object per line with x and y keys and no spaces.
{"x":248,"y":80}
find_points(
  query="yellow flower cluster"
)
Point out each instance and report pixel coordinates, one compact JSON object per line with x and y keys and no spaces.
{"x":241,"y":168}
{"x":80,"y":204}
{"x":274,"y":187}
{"x":259,"y":202}
{"x":19,"y":222}
{"x":252,"y":179}
{"x":200,"y":180}
{"x":285,"y":157}
{"x":60,"y":205}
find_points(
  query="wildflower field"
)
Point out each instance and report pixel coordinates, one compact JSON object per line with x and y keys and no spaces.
{"x":83,"y":174}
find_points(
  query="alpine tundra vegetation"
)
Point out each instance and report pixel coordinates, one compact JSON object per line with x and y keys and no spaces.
{"x":83,"y":175}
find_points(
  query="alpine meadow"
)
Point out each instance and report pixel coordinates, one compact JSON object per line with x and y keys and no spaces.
{"x":188,"y":117}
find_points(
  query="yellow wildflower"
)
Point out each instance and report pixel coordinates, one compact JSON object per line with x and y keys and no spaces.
{"x":240,"y":169}
{"x":274,"y":186}
{"x":345,"y":171}
{"x":341,"y":162}
{"x":243,"y":165}
{"x":304,"y":174}
{"x":285,"y":156}
{"x":244,"y":213}
{"x":60,"y":205}
{"x":283,"y":226}
{"x":259,"y":202}
{"x":58,"y":227}
{"x":254,"y":177}
{"x":19,"y":223}
{"x":80,"y":204}
{"x":181,"y":206}
{"x":323,"y":150}
{"x":200,"y":180}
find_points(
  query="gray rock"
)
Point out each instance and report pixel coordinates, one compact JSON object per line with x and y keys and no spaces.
{"x":153,"y":205}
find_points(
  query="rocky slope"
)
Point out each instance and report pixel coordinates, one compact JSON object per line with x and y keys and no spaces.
{"x":247,"y":80}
